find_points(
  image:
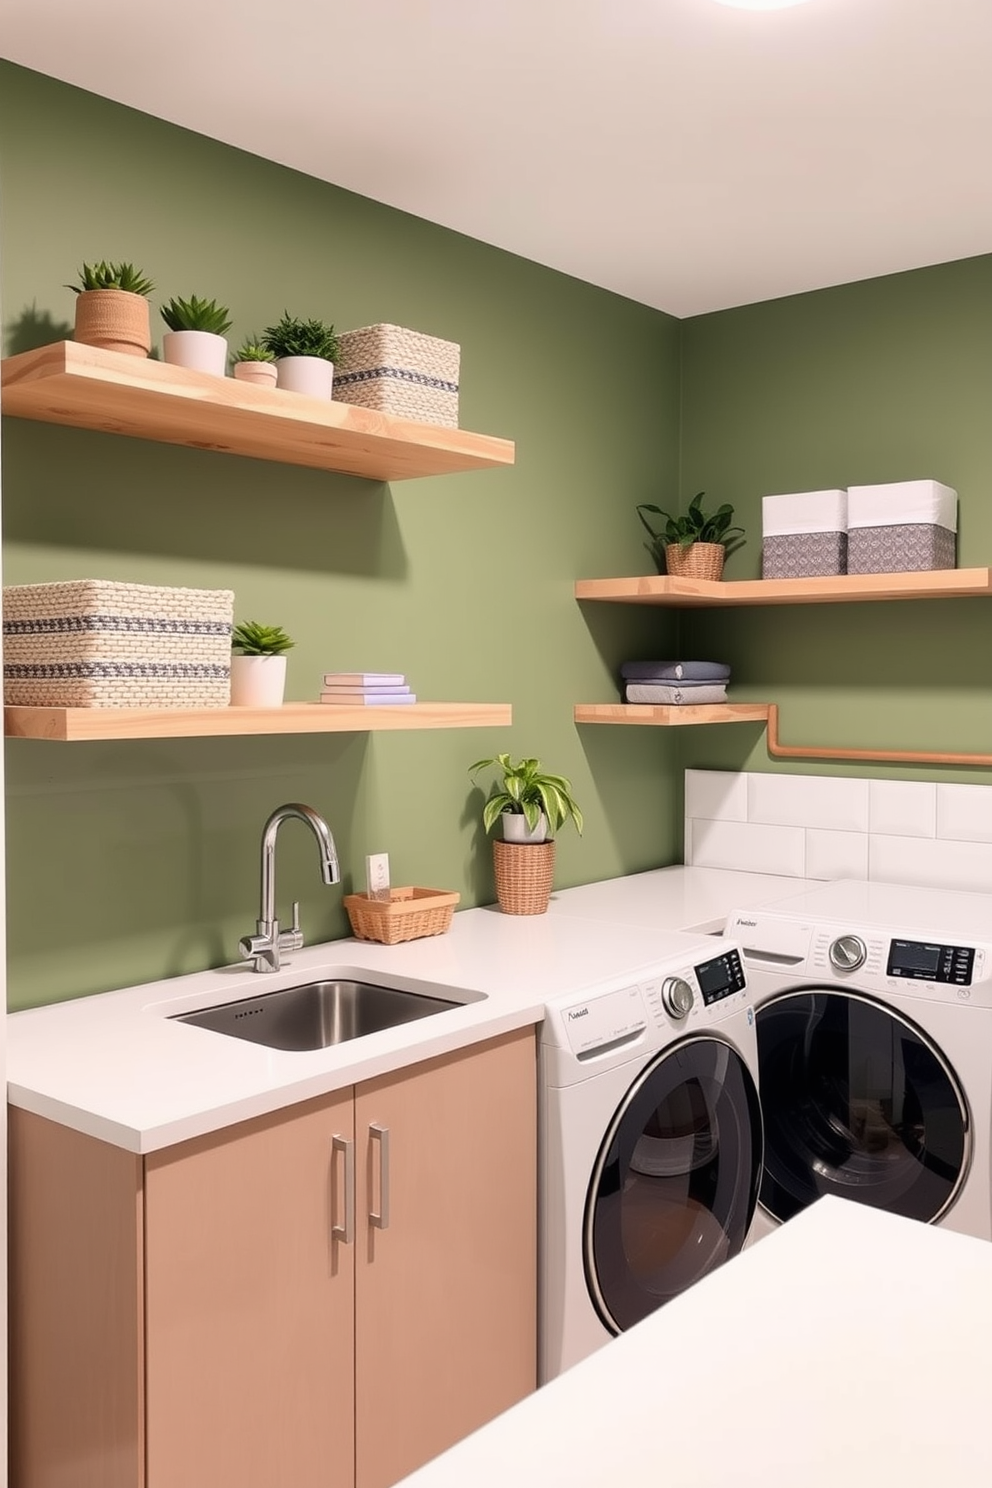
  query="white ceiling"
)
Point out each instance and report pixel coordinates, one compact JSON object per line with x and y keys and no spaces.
{"x":688,"y":155}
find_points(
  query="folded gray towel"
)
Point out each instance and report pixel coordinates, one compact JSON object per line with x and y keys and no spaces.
{"x":675,"y":671}
{"x":660,"y":692}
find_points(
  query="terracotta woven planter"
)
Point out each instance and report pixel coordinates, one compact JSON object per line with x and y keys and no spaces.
{"x":115,"y":320}
{"x":698,"y":561}
{"x":524,"y":874}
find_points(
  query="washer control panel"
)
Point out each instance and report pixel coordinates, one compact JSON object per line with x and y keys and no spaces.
{"x":925,"y":961}
{"x":721,"y":977}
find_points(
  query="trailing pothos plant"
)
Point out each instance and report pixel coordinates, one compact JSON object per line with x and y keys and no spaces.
{"x":251,"y":639}
{"x":528,"y":790}
{"x":692,"y":526}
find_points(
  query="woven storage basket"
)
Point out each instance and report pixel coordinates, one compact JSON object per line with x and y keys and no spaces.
{"x":524,"y":874}
{"x":698,"y":561}
{"x":92,"y":643}
{"x":408,"y":914}
{"x":401,"y":372}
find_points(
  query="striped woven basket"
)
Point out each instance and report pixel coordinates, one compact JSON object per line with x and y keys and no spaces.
{"x":93,"y":643}
{"x":400,"y":372}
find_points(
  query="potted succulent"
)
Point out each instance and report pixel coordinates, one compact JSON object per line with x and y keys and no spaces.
{"x":530,"y":804}
{"x":112,"y":308}
{"x":255,"y":363}
{"x":304,"y":351}
{"x":258,"y":665}
{"x":195,"y":338}
{"x":695,"y":544}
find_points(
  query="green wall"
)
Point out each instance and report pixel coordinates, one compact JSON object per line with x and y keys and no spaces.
{"x":889,"y":379}
{"x":130,"y":862}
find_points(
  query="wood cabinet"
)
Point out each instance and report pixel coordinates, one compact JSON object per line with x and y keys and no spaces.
{"x":329,"y":1295}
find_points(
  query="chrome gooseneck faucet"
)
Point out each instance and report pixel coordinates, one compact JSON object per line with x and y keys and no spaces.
{"x":264,"y":948}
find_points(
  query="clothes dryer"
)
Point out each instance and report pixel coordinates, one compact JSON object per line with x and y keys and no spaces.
{"x":873,"y":1007}
{"x":650,"y":1143}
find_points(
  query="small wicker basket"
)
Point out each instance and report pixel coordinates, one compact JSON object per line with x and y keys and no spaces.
{"x":408,"y":914}
{"x":400,"y":372}
{"x":524,"y":874}
{"x":698,"y":561}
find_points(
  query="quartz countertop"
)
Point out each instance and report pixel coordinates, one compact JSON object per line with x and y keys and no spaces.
{"x":848,"y":1348}
{"x":116,"y":1066}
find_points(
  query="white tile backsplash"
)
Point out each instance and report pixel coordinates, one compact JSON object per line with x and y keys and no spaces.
{"x":823,"y":827}
{"x":903,"y":808}
{"x":808,"y":800}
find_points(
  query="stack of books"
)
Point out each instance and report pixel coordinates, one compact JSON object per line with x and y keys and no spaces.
{"x":358,"y":689}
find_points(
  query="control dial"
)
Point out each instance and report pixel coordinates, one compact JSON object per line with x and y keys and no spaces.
{"x":848,"y":952}
{"x":676,"y":995}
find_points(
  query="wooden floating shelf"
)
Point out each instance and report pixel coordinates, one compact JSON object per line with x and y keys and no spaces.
{"x":671,"y":715}
{"x":67,"y":383}
{"x":69,"y":725}
{"x":943,"y":583}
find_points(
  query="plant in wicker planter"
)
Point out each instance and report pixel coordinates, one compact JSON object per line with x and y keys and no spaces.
{"x":695,"y":544}
{"x":258,"y":665}
{"x":531,"y":805}
{"x":112,"y":308}
{"x":255,"y":363}
{"x":195,"y":338}
{"x":304,"y":351}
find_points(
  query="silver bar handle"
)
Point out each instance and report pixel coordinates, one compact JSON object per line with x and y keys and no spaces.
{"x":345,"y":1232}
{"x":380,"y":1134}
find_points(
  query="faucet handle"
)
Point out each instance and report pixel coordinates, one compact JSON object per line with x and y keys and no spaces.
{"x":292,"y":939}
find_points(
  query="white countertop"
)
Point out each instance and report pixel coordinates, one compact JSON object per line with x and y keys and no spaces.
{"x":850,"y":1349}
{"x":116,"y":1067}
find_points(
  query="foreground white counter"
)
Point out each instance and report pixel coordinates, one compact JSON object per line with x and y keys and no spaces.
{"x":116,"y":1067}
{"x":851,"y":1349}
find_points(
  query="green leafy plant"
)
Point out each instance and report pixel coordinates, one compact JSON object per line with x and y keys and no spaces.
{"x":252,"y":350}
{"x":195,"y":314}
{"x":251,"y":639}
{"x":104,"y":275}
{"x":693,"y":526}
{"x":293,"y":337}
{"x":528,"y":790}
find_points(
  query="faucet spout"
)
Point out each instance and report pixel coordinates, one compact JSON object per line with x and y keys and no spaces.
{"x":265,"y":946}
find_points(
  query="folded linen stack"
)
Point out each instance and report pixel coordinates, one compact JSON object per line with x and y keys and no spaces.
{"x":675,"y":682}
{"x":368,"y":689}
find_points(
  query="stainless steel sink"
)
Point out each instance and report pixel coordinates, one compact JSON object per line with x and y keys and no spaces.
{"x":317,"y":1014}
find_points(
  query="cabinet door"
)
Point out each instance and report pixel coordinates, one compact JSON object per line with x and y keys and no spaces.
{"x":250,"y":1305}
{"x":446,"y":1287}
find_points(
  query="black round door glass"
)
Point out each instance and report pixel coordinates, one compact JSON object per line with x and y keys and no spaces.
{"x":675,"y":1185}
{"x":857,"y":1103}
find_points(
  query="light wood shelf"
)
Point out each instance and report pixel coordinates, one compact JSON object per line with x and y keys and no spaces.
{"x":67,"y":383}
{"x":69,"y":725}
{"x":671,"y":715}
{"x":943,"y":583}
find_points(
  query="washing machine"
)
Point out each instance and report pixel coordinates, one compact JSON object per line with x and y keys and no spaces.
{"x":873,"y":1011}
{"x":650,"y":1142}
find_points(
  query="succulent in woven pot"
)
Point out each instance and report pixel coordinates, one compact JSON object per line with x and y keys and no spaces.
{"x":112,"y":308}
{"x":258,"y":665}
{"x":195,"y":338}
{"x":530,"y":804}
{"x":695,"y":543}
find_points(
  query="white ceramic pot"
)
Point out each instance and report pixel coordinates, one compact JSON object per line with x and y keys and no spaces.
{"x":515,"y":828}
{"x":261,"y":374}
{"x":304,"y":374}
{"x":198,"y":351}
{"x":258,"y":681}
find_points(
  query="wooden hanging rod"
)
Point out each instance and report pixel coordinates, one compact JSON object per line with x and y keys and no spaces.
{"x":778,"y":750}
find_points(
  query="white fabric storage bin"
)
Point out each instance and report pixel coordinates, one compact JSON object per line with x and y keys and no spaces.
{"x":902,"y":527}
{"x":804,"y":534}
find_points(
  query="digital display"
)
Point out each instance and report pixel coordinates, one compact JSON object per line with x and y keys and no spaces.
{"x":924,"y":961}
{"x":720,"y":977}
{"x":913,"y":956}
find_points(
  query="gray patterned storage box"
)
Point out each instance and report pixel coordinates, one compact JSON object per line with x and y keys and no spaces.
{"x":902,"y":527}
{"x":93,"y":643}
{"x":401,"y":372}
{"x":804,"y":535}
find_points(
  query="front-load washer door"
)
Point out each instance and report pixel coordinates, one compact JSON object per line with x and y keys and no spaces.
{"x":675,"y":1183}
{"x":858,"y":1102}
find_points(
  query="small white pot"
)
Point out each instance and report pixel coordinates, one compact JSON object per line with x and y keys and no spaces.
{"x":261,"y":374}
{"x":305,"y":374}
{"x":258,"y":681}
{"x":515,"y":828}
{"x":198,"y":351}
